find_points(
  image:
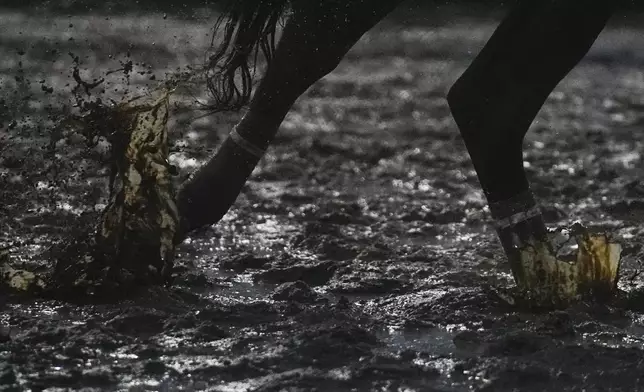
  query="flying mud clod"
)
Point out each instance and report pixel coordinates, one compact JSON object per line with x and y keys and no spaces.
{"x":133,"y":243}
{"x":546,"y":277}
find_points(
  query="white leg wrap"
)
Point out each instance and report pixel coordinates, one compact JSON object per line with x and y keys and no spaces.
{"x":508,"y":213}
{"x":517,"y":218}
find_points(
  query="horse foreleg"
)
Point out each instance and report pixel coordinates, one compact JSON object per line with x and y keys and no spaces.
{"x":314,"y":41}
{"x":498,"y":96}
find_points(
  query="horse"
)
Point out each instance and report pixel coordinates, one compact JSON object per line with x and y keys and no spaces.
{"x":493,"y":102}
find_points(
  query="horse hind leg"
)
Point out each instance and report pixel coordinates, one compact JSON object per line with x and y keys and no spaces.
{"x":313,"y":42}
{"x":496,"y":99}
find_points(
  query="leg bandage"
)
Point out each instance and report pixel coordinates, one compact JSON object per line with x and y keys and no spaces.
{"x":509,"y":212}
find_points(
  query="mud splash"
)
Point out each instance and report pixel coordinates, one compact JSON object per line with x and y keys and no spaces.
{"x":360,"y":255}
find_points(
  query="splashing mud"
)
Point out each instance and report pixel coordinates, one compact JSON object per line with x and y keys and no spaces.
{"x":361,"y":254}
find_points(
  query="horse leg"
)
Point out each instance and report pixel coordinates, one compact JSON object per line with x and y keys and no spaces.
{"x":498,"y":96}
{"x":314,"y":41}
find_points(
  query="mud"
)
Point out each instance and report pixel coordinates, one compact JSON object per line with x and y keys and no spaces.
{"x":360,"y":255}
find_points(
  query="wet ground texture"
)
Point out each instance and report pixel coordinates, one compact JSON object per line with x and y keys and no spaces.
{"x":360,"y":255}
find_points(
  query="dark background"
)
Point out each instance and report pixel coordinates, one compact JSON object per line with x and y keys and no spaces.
{"x":185,"y":8}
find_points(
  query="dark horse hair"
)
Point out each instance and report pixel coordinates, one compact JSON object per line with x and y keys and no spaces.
{"x":249,"y":26}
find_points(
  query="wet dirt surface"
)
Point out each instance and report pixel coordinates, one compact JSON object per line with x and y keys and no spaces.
{"x":360,"y":254}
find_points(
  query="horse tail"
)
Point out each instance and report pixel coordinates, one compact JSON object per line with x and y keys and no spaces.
{"x":249,"y":26}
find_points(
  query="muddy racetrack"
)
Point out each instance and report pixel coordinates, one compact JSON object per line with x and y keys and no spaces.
{"x":359,"y":255}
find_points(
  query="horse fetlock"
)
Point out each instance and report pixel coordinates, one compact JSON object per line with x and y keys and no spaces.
{"x":493,"y":131}
{"x":521,"y":235}
{"x":518,"y":219}
{"x":208,"y":194}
